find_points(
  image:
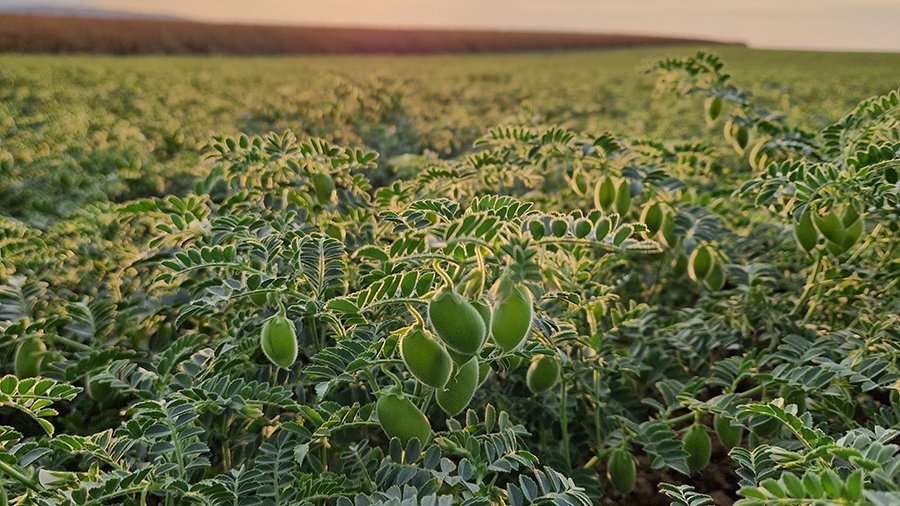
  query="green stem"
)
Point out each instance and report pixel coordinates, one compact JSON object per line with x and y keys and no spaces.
{"x":564,"y":423}
{"x":683,"y":418}
{"x":393,"y":376}
{"x":865,"y":245}
{"x":597,"y":430}
{"x":14,"y":473}
{"x":470,"y":240}
{"x":373,"y":382}
{"x":443,"y":274}
{"x":748,"y":393}
{"x":71,"y":343}
{"x":481,"y":267}
{"x":429,"y":394}
{"x":417,"y":315}
{"x":810,"y":283}
{"x":314,"y":330}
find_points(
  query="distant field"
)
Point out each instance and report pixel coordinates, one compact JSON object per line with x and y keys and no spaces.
{"x":646,"y":276}
{"x":29,"y":33}
{"x":90,"y":128}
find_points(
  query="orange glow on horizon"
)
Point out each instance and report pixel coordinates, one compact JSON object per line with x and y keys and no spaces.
{"x":800,"y":24}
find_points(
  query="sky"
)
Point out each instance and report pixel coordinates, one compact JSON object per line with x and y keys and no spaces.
{"x":855,"y":25}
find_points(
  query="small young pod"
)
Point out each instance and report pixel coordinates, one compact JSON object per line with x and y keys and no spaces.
{"x":278,"y":341}
{"x":425,"y":358}
{"x":400,"y":418}
{"x":458,"y":392}
{"x":730,"y":435}
{"x":620,"y":470}
{"x":28,"y":357}
{"x":698,"y":447}
{"x":512,"y":319}
{"x":543,"y":373}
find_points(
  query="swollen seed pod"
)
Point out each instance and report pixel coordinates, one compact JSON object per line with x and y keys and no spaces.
{"x":623,"y":198}
{"x":700,"y":263}
{"x":831,"y":227}
{"x":620,"y":470}
{"x":605,"y":193}
{"x":850,"y":216}
{"x":512,"y":319}
{"x":459,"y":358}
{"x":100,"y":392}
{"x":543,"y":373}
{"x":805,"y":232}
{"x":558,"y":227}
{"x":484,"y":311}
{"x":454,"y":397}
{"x":836,"y":249}
{"x":652,"y":217}
{"x":278,"y":341}
{"x":324,"y":187}
{"x":515,"y":361}
{"x":698,"y":447}
{"x":729,"y":435}
{"x":400,"y":418}
{"x":854,"y":230}
{"x":425,"y":358}
{"x":28,"y":357}
{"x":456,"y":322}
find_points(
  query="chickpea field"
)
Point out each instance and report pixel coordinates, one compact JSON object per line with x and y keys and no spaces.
{"x":655,"y":276}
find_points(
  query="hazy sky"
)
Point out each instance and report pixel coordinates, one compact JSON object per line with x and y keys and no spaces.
{"x":818,"y":24}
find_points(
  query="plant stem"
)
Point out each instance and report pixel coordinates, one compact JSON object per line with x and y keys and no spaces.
{"x":678,"y":419}
{"x":810,"y":283}
{"x":481,"y":267}
{"x":417,"y":315}
{"x":597,"y":431}
{"x":14,"y":473}
{"x":564,"y":423}
{"x":393,"y":376}
{"x":448,"y":281}
{"x":71,"y":343}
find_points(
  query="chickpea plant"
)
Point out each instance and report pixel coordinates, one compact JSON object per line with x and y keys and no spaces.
{"x":540,"y":321}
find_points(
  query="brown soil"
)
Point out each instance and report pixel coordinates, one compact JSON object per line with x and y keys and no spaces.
{"x":31,"y":33}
